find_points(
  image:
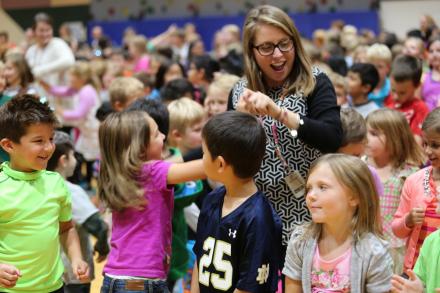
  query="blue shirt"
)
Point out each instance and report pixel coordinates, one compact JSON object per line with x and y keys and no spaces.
{"x":384,"y":92}
{"x":240,"y":250}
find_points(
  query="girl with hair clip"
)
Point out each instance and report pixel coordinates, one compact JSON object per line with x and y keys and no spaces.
{"x":137,"y":185}
{"x":341,"y":250}
{"x":416,"y":216}
{"x":84,"y":85}
{"x":393,"y":152}
{"x":18,"y":75}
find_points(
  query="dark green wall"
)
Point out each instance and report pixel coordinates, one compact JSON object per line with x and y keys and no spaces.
{"x":24,"y":17}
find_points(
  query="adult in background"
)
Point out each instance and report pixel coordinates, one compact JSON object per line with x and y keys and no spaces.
{"x":50,"y":57}
{"x":296,"y":104}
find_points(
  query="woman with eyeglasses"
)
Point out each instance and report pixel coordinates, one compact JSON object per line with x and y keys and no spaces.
{"x":296,"y":104}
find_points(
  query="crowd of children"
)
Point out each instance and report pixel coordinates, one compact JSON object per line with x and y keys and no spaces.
{"x":146,"y":129}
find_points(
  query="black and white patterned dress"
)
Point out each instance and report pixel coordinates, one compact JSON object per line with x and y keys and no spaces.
{"x":321,"y":132}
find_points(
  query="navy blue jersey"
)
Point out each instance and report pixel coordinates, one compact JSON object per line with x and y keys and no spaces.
{"x":241,"y":250}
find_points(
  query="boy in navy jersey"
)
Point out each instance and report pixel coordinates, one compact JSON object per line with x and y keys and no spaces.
{"x":238,"y":234}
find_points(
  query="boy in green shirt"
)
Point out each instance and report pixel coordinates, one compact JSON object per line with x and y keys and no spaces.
{"x":424,"y":277}
{"x":35,"y":205}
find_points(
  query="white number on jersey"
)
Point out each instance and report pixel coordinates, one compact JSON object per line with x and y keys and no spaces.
{"x":215,"y":251}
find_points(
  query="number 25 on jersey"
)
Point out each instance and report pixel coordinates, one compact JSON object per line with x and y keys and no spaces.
{"x":215,"y":250}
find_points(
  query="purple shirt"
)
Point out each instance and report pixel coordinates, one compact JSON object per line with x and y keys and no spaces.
{"x":431,"y":91}
{"x":141,"y":239}
{"x":87,"y":99}
{"x":378,"y":184}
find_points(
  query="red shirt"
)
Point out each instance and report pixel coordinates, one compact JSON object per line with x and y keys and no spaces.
{"x":415,"y":111}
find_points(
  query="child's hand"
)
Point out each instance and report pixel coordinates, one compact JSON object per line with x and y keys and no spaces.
{"x":81,"y":270}
{"x":415,"y":217}
{"x":8,"y":275}
{"x":402,"y":285}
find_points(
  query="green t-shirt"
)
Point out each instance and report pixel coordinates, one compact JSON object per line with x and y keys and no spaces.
{"x":31,"y":207}
{"x":428,"y":265}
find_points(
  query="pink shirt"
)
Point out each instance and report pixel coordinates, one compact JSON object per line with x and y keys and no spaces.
{"x":415,"y":193}
{"x":141,"y":239}
{"x":142,"y":65}
{"x":87,"y":100}
{"x":332,"y":275}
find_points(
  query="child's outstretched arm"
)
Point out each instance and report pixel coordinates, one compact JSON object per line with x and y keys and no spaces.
{"x":8,"y":275}
{"x":195,"y":279}
{"x":70,"y":242}
{"x":179,"y":173}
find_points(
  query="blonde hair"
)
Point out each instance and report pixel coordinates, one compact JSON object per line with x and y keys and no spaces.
{"x":301,"y":78}
{"x":359,"y":52}
{"x":123,"y":141}
{"x":432,"y":122}
{"x":400,"y":142}
{"x":233,"y":29}
{"x":83,"y":70}
{"x":224,"y":82}
{"x":352,"y":173}
{"x":338,"y":80}
{"x":379,"y":52}
{"x":184,"y":113}
{"x":139,"y":42}
{"x":123,"y":88}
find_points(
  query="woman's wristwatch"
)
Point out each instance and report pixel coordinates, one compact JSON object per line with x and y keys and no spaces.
{"x":294,"y":132}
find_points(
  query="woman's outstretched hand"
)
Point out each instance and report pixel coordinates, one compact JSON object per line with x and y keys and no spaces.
{"x":257,"y":103}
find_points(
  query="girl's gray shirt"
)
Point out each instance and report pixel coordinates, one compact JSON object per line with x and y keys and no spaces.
{"x":371,"y":265}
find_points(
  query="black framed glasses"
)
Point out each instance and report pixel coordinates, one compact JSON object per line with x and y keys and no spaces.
{"x":267,"y":49}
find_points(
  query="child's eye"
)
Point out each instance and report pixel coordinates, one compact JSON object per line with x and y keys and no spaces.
{"x":323,"y":187}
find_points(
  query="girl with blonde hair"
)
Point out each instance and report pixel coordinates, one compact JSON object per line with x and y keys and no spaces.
{"x":137,"y":185}
{"x":342,"y":249}
{"x":394,"y":153}
{"x":83,"y":87}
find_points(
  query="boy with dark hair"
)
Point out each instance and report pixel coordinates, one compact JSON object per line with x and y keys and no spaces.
{"x":84,"y":214}
{"x":362,"y":78}
{"x":176,"y":89}
{"x":34,"y":203}
{"x":238,"y":239}
{"x":405,"y":79}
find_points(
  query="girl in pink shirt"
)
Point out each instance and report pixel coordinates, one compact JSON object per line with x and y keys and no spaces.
{"x":416,"y":215}
{"x":137,"y":47}
{"x":137,"y":186}
{"x":83,"y":95}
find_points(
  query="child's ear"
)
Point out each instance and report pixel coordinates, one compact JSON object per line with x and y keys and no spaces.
{"x":221,"y":164}
{"x":118,"y":106}
{"x":353,"y":201}
{"x":7,"y":144}
{"x":175,"y":135}
{"x":366,"y":88}
{"x":62,"y":161}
